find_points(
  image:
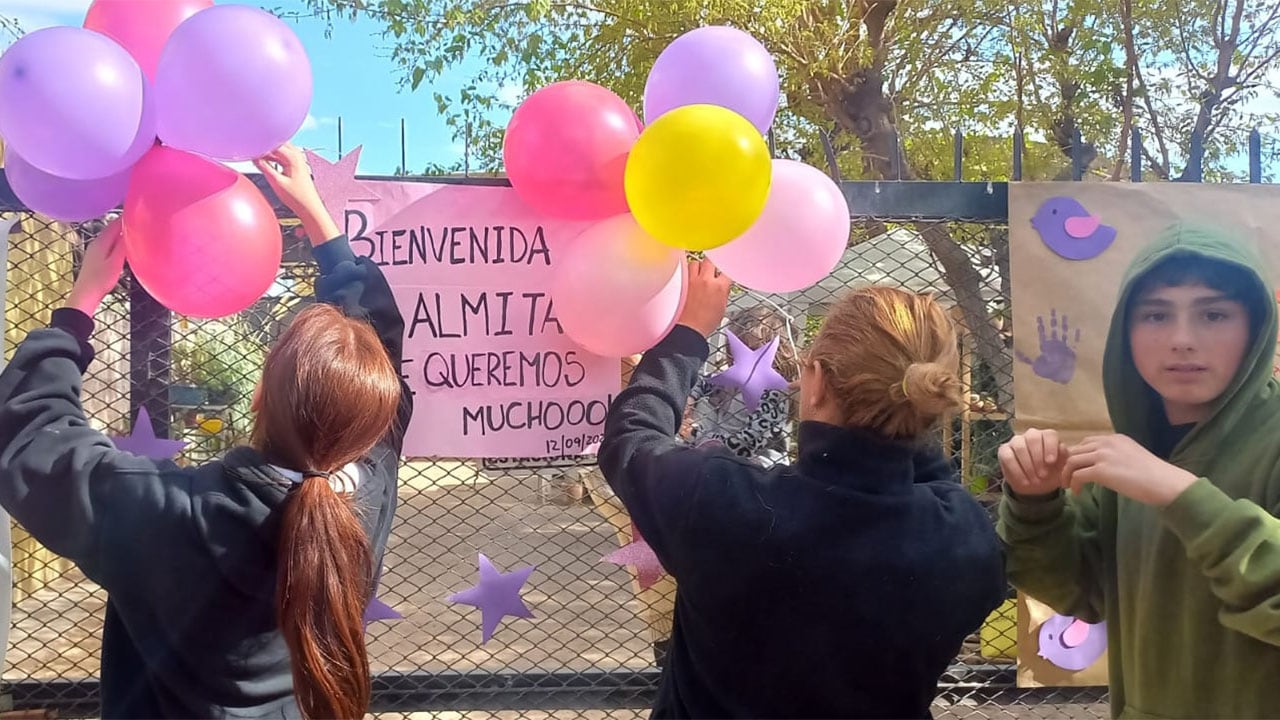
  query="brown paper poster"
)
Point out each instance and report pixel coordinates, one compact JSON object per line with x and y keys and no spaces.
{"x":1058,"y":371}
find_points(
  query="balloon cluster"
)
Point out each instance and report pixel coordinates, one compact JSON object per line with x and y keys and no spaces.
{"x":695,"y":175}
{"x":138,"y":105}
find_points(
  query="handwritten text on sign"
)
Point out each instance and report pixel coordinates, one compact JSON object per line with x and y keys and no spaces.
{"x":492,"y":373}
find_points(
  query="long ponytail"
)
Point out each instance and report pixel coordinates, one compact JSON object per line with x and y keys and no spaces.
{"x":329,"y":392}
{"x":324,"y":582}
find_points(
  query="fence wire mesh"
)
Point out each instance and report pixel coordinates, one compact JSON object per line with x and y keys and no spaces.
{"x":594,"y":648}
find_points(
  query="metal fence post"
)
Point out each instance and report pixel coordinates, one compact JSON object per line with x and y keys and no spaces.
{"x":150,"y":345}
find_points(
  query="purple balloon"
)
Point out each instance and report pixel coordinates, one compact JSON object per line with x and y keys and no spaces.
{"x":233,"y":83}
{"x":714,"y":66}
{"x":60,"y":198}
{"x":74,"y":104}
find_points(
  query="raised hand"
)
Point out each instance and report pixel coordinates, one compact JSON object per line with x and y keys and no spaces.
{"x":99,"y":271}
{"x":708,"y":297}
{"x":1032,"y":462}
{"x":1118,"y":462}
{"x":289,"y":175}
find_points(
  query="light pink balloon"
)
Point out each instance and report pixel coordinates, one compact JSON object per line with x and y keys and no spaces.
{"x":798,"y":240}
{"x":616,"y":290}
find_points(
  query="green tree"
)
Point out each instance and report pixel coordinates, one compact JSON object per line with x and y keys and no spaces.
{"x":10,"y":28}
{"x":878,"y":87}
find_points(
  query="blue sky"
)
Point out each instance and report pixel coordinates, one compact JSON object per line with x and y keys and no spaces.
{"x":354,"y":78}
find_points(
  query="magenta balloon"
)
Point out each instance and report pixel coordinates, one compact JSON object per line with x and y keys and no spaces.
{"x":566,"y":149}
{"x":616,"y":290}
{"x":200,"y":237}
{"x":141,"y":26}
{"x":798,"y":239}
{"x":233,"y":83}
{"x":60,"y":198}
{"x":74,"y":104}
{"x":714,"y":65}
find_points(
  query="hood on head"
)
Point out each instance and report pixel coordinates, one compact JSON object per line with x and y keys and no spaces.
{"x":1134,"y":407}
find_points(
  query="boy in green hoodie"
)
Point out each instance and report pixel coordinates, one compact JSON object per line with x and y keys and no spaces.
{"x":1167,"y":529}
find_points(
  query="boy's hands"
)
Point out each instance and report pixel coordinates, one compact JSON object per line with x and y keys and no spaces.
{"x":1118,"y":462}
{"x":1036,"y":463}
{"x":1032,"y":462}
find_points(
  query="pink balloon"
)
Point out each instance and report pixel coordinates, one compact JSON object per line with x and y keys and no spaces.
{"x":141,"y":26}
{"x":234,"y":83}
{"x":60,"y":198}
{"x":616,"y":290}
{"x":199,"y":236}
{"x":566,"y":150}
{"x":798,"y":240}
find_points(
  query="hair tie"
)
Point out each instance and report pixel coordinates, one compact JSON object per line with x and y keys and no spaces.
{"x":905,"y":395}
{"x":317,"y":474}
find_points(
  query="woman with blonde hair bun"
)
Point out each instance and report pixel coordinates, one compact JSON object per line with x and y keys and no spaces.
{"x":888,"y":360}
{"x":842,"y":585}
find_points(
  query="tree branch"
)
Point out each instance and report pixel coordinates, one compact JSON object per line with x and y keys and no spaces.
{"x":1131,"y":67}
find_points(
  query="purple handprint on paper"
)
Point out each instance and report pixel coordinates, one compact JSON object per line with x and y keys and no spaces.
{"x":1057,"y":360}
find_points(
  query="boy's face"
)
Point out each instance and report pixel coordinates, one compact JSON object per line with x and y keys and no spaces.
{"x":1187,"y":343}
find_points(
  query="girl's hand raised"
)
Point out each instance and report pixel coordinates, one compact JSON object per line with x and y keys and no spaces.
{"x":99,"y":271}
{"x":708,"y":297}
{"x":289,"y":175}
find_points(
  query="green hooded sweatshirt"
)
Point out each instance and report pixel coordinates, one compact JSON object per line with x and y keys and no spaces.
{"x":1190,"y":592}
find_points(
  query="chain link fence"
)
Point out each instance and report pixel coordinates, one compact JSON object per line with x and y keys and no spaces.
{"x":596,"y":641}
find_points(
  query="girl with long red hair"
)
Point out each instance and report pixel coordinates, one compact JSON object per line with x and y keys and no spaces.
{"x":235,"y":588}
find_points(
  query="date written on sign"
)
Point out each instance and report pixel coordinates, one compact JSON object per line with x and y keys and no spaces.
{"x":573,"y":444}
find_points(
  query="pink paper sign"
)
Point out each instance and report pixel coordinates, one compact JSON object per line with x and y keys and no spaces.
{"x":492,"y":372}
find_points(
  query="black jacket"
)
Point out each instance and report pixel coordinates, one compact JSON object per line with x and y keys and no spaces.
{"x":840,"y":587}
{"x":186,"y":555}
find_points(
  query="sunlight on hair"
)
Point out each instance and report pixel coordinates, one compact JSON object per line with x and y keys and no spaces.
{"x":892,"y":358}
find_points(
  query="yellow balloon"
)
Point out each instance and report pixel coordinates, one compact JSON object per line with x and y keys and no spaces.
{"x":698,"y":177}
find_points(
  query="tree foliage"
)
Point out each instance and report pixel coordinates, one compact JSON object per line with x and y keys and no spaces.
{"x":864,"y":71}
{"x":880,"y":87}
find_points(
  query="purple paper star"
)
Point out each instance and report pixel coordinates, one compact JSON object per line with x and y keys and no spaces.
{"x":639,"y":555}
{"x":497,"y":595}
{"x":336,"y":182}
{"x":752,"y":371}
{"x":378,"y":610}
{"x":143,"y":441}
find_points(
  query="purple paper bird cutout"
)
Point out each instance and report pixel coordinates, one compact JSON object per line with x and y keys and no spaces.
{"x":336,"y":182}
{"x":143,"y":441}
{"x":1071,"y":231}
{"x":752,"y":371}
{"x":1072,"y":644}
{"x":378,"y":610}
{"x":497,"y":595}
{"x":639,"y":555}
